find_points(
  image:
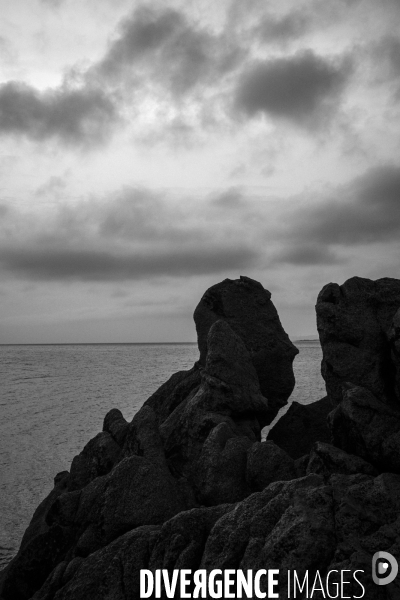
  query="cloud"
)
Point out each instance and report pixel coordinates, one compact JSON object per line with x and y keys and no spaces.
{"x":281,"y":29}
{"x":53,"y":3}
{"x":95,"y":265}
{"x":132,"y":235}
{"x":162,"y":48}
{"x":303,"y":88}
{"x":305,"y":254}
{"x":386,"y":53}
{"x":368,"y":212}
{"x":365,"y":211}
{"x":229,"y":199}
{"x":74,"y":116}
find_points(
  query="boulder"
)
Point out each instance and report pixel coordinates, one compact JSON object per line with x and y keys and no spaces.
{"x":354,"y":321}
{"x":326,"y":459}
{"x":97,"y":458}
{"x":247,"y":307}
{"x":229,"y":394}
{"x":363,"y":425}
{"x":307,"y":524}
{"x":115,"y":424}
{"x":266,"y":462}
{"x":174,"y":391}
{"x":221,"y":468}
{"x":303,"y":424}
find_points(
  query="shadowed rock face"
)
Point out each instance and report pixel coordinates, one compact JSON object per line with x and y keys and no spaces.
{"x":358,"y":324}
{"x":302,"y":426}
{"x":357,"y":337}
{"x":246,"y":306}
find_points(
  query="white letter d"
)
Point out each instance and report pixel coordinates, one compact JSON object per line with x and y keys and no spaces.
{"x":145,"y":574}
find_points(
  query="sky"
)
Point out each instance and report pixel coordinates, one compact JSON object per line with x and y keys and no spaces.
{"x":149,"y":150}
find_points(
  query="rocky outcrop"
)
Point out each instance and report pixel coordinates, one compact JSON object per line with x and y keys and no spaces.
{"x":359,"y":327}
{"x":188,"y":484}
{"x":190,"y":444}
{"x":247,"y":307}
{"x":307,"y":524}
{"x":301,"y":426}
{"x":358,"y":338}
{"x":367,"y":427}
{"x":325,"y":460}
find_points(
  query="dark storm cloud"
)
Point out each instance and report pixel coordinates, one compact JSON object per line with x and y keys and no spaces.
{"x":230,"y":199}
{"x":368,"y":212}
{"x":52,"y":264}
{"x":364,"y":212}
{"x":134,"y":234}
{"x":303,"y":88}
{"x":72,"y":115}
{"x":288,"y":27}
{"x":163,"y":48}
{"x":307,"y":254}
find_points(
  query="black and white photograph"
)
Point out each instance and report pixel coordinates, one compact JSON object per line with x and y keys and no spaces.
{"x":199,"y":299}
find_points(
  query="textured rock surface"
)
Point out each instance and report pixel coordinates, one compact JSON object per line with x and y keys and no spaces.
{"x":303,"y":425}
{"x":354,"y":322}
{"x":266,"y":462}
{"x":188,"y":445}
{"x":247,"y":307}
{"x":304,"y":524}
{"x":326,"y":459}
{"x":367,"y":427}
{"x":197,"y":436}
{"x":188,"y":484}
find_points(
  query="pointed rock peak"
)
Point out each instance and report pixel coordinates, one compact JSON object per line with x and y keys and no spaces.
{"x":247,"y":308}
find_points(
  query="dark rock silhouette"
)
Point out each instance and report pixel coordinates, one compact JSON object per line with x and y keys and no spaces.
{"x":189,"y":484}
{"x":355,"y":327}
{"x":359,"y":330}
{"x":247,"y":307}
{"x":325,"y":460}
{"x":301,"y":426}
{"x":365,"y":426}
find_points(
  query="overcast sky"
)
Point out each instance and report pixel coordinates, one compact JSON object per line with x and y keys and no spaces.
{"x":150,"y":150}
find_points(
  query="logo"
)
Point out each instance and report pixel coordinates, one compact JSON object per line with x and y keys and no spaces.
{"x":384,"y":568}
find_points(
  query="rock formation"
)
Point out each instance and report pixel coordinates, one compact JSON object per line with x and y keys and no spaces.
{"x":358,"y":324}
{"x":354,"y":322}
{"x":302,"y":426}
{"x":189,"y":484}
{"x":247,"y":307}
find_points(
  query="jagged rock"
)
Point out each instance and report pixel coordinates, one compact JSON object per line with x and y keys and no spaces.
{"x":367,"y":427}
{"x":181,"y":540}
{"x":246,"y":306}
{"x":42,"y":548}
{"x":174,"y":391}
{"x":115,"y":424}
{"x":306,"y":524}
{"x":394,"y":339}
{"x":229,"y":393}
{"x":110,"y":573}
{"x":326,"y":459}
{"x":221,"y":468}
{"x":266,"y":462}
{"x":354,"y":322}
{"x":97,"y":458}
{"x":302,"y":425}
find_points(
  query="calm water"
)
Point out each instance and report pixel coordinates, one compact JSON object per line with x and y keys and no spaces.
{"x":53,"y":399}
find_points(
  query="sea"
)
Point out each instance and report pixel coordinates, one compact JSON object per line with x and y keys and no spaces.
{"x":53,"y":399}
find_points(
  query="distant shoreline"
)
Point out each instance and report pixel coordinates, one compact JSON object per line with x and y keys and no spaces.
{"x":103,"y":344}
